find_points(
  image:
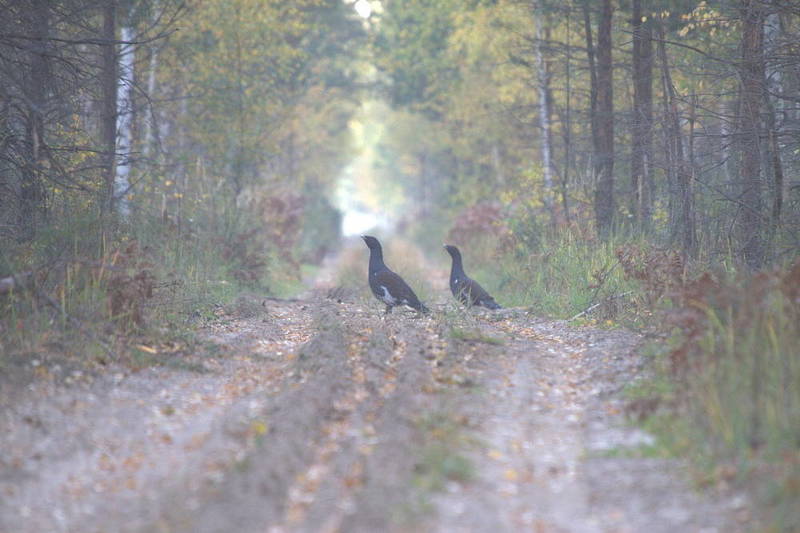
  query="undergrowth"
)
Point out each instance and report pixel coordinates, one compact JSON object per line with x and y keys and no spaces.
{"x":725,"y":391}
{"x":129,"y":292}
{"x":560,"y":277}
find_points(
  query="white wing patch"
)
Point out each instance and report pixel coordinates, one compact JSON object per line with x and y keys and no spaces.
{"x":388,"y":298}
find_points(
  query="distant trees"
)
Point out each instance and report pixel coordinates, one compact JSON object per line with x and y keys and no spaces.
{"x":698,"y":103}
{"x":254,"y":72}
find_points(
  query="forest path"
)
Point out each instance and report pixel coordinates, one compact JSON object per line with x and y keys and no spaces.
{"x":322,"y":415}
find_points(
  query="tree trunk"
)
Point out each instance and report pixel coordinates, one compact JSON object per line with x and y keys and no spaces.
{"x":543,"y":80}
{"x":681,"y":202}
{"x":151,"y":134}
{"x":124,"y":124}
{"x":10,"y":176}
{"x":604,"y":140}
{"x":642,"y":125}
{"x":774,"y":84}
{"x":752,"y":79}
{"x":108,"y":80}
{"x":567,"y":122}
{"x":690,"y":215}
{"x":497,"y":164}
{"x":587,"y":28}
{"x":32,"y":194}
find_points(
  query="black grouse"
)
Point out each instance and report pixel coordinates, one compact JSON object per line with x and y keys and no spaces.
{"x":465,"y":289}
{"x":387,"y":286}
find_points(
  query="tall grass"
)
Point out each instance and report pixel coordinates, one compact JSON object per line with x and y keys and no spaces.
{"x":563,"y":276}
{"x":746,"y":388}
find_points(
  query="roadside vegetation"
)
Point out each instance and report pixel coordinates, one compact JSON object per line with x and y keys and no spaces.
{"x":149,"y":178}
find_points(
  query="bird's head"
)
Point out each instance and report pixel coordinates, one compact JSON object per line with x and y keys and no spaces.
{"x":452,"y":250}
{"x":372,"y":242}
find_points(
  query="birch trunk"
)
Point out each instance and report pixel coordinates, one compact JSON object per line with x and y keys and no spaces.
{"x":108,"y":80}
{"x":544,"y":119}
{"x":122,"y":182}
{"x":151,"y":120}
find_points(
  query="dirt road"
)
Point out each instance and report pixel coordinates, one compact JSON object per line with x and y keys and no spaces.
{"x":321,"y":415}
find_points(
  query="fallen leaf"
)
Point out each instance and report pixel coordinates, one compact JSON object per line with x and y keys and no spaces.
{"x":258,"y":427}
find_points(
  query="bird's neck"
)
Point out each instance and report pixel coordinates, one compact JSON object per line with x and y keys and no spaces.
{"x":376,"y":260}
{"x":457,"y":270}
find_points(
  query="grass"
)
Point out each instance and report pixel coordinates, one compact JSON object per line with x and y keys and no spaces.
{"x":728,"y":382}
{"x":471,"y":335}
{"x":439,"y":461}
{"x":562,"y":277}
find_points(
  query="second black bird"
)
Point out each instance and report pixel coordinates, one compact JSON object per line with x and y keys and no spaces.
{"x":387,"y":286}
{"x":465,"y":289}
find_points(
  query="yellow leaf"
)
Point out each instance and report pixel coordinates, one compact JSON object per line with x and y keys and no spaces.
{"x":147,"y":349}
{"x":494,"y":454}
{"x":259,"y":427}
{"x":511,"y":475}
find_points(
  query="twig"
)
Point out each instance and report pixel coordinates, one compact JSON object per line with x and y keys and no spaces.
{"x":283,"y":300}
{"x":595,"y":306}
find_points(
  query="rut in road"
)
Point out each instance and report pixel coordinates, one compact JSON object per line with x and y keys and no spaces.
{"x":322,"y":415}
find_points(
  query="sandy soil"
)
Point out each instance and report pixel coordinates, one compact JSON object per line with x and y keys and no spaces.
{"x":322,"y":415}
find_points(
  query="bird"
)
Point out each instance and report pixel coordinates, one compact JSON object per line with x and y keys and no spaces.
{"x":387,"y":286}
{"x":467,"y":290}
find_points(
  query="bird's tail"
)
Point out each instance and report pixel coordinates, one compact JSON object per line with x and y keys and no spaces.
{"x":491,"y":304}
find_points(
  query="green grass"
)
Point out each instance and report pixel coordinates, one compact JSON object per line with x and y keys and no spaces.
{"x":440,"y":459}
{"x":561,"y":278}
{"x":472,"y":335}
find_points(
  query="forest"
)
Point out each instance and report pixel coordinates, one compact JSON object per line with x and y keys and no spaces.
{"x":170,"y":167}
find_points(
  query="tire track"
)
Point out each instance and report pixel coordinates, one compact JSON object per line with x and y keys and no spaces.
{"x":303,"y":493}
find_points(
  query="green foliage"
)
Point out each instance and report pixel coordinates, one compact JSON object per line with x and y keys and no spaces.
{"x":410,"y":50}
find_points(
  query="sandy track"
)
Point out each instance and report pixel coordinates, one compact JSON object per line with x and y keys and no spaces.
{"x":323,"y":416}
